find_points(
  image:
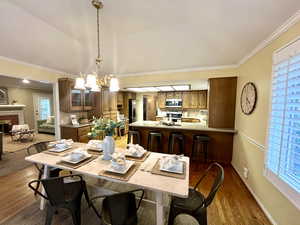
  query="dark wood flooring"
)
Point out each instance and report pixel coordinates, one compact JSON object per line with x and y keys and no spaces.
{"x":233,"y":204}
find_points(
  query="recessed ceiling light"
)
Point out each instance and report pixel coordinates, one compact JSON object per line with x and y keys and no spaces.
{"x":165,"y":88}
{"x":181,"y":87}
{"x":25,"y":81}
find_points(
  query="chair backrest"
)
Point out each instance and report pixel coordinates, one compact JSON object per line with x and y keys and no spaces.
{"x":37,"y":147}
{"x":216,"y":184}
{"x":121,"y":208}
{"x":58,"y":193}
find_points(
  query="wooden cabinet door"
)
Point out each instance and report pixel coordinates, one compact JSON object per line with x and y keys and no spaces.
{"x":186,"y":100}
{"x":178,"y":95}
{"x":202,"y":99}
{"x":76,"y":100}
{"x":113,"y":101}
{"x":120,"y":98}
{"x":169,"y":94}
{"x":161,"y":98}
{"x":88,"y":97}
{"x":194,"y":100}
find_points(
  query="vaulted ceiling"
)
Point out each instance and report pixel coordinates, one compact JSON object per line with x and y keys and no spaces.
{"x":137,"y":35}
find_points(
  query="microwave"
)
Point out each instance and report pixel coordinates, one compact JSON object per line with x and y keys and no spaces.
{"x":173,"y":102}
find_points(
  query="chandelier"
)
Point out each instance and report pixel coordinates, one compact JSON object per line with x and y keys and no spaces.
{"x":94,"y":82}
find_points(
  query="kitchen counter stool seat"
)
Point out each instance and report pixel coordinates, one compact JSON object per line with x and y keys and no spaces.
{"x":154,"y":136}
{"x":132,"y":134}
{"x":176,"y":138}
{"x":200,"y":141}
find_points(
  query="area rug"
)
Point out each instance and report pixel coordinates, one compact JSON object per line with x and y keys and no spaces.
{"x":13,"y":146}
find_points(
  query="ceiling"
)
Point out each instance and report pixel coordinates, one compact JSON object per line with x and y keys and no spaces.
{"x":11,"y":82}
{"x":137,"y":35}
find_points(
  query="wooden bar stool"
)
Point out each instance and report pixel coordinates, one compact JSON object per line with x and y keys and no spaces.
{"x":153,"y":135}
{"x":176,"y":138}
{"x":132,"y":134}
{"x":200,"y":141}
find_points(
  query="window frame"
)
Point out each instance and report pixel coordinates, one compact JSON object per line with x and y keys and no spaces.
{"x":290,"y":193}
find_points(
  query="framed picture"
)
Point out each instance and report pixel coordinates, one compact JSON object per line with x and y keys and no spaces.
{"x":3,"y":96}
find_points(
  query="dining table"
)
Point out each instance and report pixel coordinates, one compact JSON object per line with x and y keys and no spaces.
{"x":143,"y":177}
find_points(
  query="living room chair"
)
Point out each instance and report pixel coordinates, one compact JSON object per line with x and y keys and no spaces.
{"x":196,"y":204}
{"x":37,"y":148}
{"x":61,"y":193}
{"x":120,"y":208}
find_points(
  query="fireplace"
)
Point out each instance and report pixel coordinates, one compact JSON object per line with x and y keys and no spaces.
{"x":7,"y":121}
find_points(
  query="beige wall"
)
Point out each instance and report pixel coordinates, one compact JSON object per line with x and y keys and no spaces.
{"x":25,"y":96}
{"x":258,"y":69}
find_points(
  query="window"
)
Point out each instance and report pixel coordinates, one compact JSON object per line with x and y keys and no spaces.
{"x":44,"y":108}
{"x":283,"y":157}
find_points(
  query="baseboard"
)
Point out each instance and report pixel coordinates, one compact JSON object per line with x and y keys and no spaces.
{"x":263,"y":208}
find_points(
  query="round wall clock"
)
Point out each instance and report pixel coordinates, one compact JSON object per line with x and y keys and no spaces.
{"x":248,"y":98}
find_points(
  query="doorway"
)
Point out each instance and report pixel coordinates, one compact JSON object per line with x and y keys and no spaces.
{"x":43,"y":109}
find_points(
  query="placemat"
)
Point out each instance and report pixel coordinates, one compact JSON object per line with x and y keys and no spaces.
{"x":123,"y":177}
{"x":75,"y":166}
{"x":142,"y":159}
{"x":59,"y":153}
{"x":156,"y":170}
{"x":94,"y":152}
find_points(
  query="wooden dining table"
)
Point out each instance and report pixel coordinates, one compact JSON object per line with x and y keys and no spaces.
{"x":142,"y":178}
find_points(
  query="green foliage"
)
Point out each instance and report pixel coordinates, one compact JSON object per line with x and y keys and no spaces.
{"x":105,"y":125}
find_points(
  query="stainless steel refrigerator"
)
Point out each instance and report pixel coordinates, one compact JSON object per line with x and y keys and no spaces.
{"x":131,"y":110}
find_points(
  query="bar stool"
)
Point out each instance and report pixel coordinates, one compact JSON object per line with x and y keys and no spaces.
{"x":132,"y":134}
{"x":153,"y":135}
{"x":200,"y":141}
{"x":176,"y":138}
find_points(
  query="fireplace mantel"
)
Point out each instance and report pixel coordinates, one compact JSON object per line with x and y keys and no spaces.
{"x":12,"y":107}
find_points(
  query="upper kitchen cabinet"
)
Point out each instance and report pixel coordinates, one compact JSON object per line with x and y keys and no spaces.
{"x":169,"y":95}
{"x":120,"y":98}
{"x":161,"y":99}
{"x":194,"y":99}
{"x":202,"y":95}
{"x":72,"y":100}
{"x":222,"y":96}
{"x":177,"y":95}
{"x":186,"y":99}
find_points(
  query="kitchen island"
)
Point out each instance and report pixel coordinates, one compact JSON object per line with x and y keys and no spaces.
{"x":219,"y":148}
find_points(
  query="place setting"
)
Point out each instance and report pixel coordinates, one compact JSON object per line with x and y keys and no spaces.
{"x":59,"y":147}
{"x":136,"y":152}
{"x":77,"y":158}
{"x":171,"y":166}
{"x":95,"y":147}
{"x":120,"y":167}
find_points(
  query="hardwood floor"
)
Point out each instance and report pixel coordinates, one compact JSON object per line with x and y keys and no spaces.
{"x":233,"y":204}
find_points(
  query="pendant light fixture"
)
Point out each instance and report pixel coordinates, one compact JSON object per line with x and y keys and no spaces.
{"x":95,"y":81}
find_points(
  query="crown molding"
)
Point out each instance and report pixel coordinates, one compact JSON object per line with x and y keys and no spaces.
{"x":192,"y":69}
{"x":33,"y":65}
{"x":280,"y":30}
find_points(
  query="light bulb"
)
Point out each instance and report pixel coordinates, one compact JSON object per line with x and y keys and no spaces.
{"x":114,"y":85}
{"x":90,"y":81}
{"x":79,"y":83}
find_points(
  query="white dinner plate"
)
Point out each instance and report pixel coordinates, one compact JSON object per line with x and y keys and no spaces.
{"x":68,"y":159}
{"x":59,"y":149}
{"x":178,"y":168}
{"x":140,"y":155}
{"x":129,"y":164}
{"x":94,"y":148}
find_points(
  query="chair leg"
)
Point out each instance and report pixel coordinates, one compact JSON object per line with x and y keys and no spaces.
{"x":75,"y":210}
{"x":49,"y":216}
{"x":38,"y":183}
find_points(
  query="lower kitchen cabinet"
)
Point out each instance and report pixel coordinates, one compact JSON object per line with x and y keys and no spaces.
{"x":76,"y":133}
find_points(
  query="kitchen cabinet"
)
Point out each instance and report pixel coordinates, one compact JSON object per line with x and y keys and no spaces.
{"x":186,"y":99}
{"x":74,"y":100}
{"x":76,"y":133}
{"x":161,"y":100}
{"x":194,"y":100}
{"x":177,"y":95}
{"x":222,"y":97}
{"x":169,"y":94}
{"x":120,"y":98}
{"x":202,"y":95}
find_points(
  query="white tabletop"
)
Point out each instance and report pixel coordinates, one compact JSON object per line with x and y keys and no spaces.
{"x":143,"y":179}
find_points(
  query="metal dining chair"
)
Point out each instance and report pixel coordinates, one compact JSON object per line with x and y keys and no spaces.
{"x":61,"y":193}
{"x":120,"y":208}
{"x":38,"y":148}
{"x":196,"y":204}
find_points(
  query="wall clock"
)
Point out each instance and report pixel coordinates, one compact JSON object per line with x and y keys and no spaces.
{"x":248,"y":98}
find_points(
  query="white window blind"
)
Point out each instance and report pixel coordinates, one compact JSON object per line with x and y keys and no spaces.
{"x":283,"y":156}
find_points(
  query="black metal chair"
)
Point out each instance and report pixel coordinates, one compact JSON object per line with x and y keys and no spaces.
{"x":38,"y":148}
{"x":120,"y":208}
{"x":132,"y":134}
{"x":61,"y":194}
{"x":152,"y":137}
{"x":196,"y":204}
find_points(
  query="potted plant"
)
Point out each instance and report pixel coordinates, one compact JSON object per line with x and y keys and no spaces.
{"x":107,"y":126}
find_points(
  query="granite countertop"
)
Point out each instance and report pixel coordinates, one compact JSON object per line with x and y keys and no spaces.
{"x":183,"y":126}
{"x":75,"y":126}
